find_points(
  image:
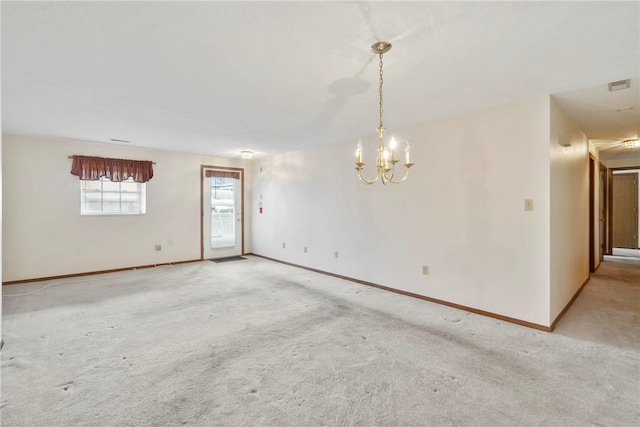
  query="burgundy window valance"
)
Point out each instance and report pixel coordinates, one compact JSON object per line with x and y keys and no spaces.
{"x":117,"y":170}
{"x":221,"y":174}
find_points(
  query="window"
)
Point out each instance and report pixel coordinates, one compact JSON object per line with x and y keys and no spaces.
{"x":104,"y":197}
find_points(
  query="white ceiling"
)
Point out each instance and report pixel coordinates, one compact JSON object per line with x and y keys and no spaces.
{"x":217,"y":77}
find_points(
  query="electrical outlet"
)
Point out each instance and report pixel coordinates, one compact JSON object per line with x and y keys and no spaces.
{"x":305,"y":249}
{"x":284,"y":246}
{"x":335,"y":254}
{"x":158,"y":247}
{"x":425,"y":270}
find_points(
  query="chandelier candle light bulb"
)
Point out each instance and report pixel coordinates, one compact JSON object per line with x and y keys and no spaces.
{"x":392,"y":147}
{"x":386,"y":159}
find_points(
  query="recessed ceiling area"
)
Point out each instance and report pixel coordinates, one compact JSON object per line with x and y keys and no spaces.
{"x":215,"y":78}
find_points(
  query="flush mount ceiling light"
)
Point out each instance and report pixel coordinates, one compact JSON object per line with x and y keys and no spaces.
{"x":246,"y":154}
{"x":386,"y":159}
{"x":631,"y":143}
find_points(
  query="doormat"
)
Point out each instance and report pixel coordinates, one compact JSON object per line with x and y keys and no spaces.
{"x":231,"y":258}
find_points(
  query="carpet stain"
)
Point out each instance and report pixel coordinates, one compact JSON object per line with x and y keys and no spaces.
{"x":65,"y":386}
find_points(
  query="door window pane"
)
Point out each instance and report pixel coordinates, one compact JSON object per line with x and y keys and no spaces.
{"x":223,"y":223}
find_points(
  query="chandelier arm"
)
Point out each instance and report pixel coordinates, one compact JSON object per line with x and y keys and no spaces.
{"x":385,"y":175}
{"x":364,"y":180}
{"x":406,"y":175}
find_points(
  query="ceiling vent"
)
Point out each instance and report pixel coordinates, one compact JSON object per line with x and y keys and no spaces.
{"x":619,"y":85}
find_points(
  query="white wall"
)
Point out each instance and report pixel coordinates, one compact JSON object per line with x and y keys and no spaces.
{"x":569,"y":211}
{"x":631,"y":161}
{"x":44,"y":234}
{"x":461,"y":212}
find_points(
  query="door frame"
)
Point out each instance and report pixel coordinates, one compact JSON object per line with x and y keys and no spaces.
{"x":222,"y":168}
{"x":603,"y":211}
{"x":609,"y":210}
{"x":592,"y":225}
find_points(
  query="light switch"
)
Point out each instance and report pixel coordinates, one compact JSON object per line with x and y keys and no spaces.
{"x":528,"y":204}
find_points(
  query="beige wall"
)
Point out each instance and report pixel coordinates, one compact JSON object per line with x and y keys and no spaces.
{"x":631,"y":161}
{"x":569,"y":210}
{"x":461,"y":212}
{"x":44,"y":234}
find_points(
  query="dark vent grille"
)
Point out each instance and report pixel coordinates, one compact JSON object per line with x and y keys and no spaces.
{"x":619,"y":85}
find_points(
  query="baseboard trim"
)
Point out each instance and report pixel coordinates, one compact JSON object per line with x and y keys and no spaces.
{"x":418,"y":296}
{"x":569,"y":304}
{"x":89,"y":273}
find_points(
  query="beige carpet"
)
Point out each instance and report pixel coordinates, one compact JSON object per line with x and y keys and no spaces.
{"x":257,"y":343}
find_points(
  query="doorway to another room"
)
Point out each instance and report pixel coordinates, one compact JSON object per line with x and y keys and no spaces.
{"x":624,"y":213}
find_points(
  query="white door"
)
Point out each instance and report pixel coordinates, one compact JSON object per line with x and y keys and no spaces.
{"x":222,"y":210}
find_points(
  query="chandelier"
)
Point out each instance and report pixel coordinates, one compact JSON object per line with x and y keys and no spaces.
{"x":386,"y":159}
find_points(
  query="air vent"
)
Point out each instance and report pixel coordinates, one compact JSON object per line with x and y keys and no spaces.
{"x":619,"y":85}
{"x":122,"y":141}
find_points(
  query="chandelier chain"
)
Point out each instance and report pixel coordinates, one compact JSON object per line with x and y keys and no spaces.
{"x":380,"y":90}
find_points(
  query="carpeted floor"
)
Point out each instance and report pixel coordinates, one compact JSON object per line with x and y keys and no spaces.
{"x":258,"y":343}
